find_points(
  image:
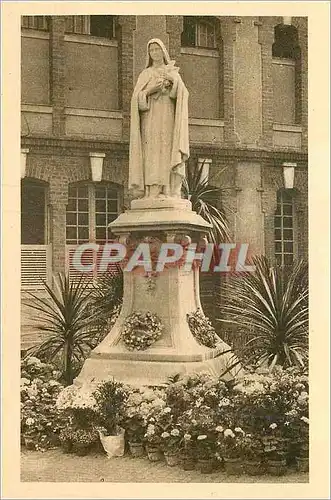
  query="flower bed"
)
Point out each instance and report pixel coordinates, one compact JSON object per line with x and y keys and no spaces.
{"x":259,"y":424}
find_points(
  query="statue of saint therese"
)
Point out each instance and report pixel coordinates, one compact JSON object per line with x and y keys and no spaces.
{"x":159,"y":142}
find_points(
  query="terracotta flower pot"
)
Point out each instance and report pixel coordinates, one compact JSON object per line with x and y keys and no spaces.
{"x":188,"y":463}
{"x":172,"y":459}
{"x":136,"y":449}
{"x":303,"y":464}
{"x":233,"y":466}
{"x":154,"y":453}
{"x":205,"y":466}
{"x":29,"y":443}
{"x":276,"y":467}
{"x":254,"y":468}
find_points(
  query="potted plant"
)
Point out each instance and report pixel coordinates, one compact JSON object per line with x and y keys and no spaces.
{"x":274,"y":450}
{"x":83,"y":439}
{"x":303,"y":452}
{"x":230,"y":448}
{"x":153,"y":441}
{"x":110,"y":397}
{"x":170,"y":444}
{"x":253,"y":454}
{"x":205,"y":450}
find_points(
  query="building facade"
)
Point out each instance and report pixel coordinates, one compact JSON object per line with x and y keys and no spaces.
{"x":248,"y":117}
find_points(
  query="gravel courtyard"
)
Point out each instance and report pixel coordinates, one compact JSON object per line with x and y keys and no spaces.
{"x":55,"y":466}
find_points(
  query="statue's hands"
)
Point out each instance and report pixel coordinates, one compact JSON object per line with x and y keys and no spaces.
{"x":154,"y":88}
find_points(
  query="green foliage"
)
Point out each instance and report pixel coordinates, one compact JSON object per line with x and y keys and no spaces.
{"x":203,"y":198}
{"x":110,"y":398}
{"x":107,"y":295}
{"x":67,"y":316}
{"x":272,"y":308}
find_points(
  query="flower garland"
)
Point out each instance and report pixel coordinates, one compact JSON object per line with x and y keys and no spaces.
{"x":202,"y":329}
{"x":141,"y":330}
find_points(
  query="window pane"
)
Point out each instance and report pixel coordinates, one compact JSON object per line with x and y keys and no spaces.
{"x":112,"y":193}
{"x":71,"y":207}
{"x":112,"y":206}
{"x":72,"y":192}
{"x":287,"y":222}
{"x":100,"y":233}
{"x":101,"y":219}
{"x":288,"y":259}
{"x":278,"y":234}
{"x":83,"y":219}
{"x":83,"y":233}
{"x":71,"y":219}
{"x":288,"y":247}
{"x":288,"y":234}
{"x":83,"y":192}
{"x":279,"y":259}
{"x":83,"y":205}
{"x":33,"y":211}
{"x":287,"y":209}
{"x":71,"y":233}
{"x":278,"y":222}
{"x":111,"y":217}
{"x":278,"y":246}
{"x":100,"y":206}
{"x":100,"y":192}
{"x":189,"y":30}
{"x":286,"y":196}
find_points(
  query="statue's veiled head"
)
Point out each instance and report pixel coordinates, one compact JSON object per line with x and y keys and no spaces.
{"x":156,"y":50}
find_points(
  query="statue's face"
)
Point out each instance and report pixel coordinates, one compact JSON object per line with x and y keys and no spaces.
{"x":155,"y":52}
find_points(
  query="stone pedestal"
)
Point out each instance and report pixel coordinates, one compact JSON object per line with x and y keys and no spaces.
{"x":170,"y":294}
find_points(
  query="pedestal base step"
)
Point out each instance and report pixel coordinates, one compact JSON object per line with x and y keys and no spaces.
{"x":150,"y":373}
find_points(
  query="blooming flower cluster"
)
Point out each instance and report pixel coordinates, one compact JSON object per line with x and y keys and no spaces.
{"x":141,"y":330}
{"x":41,"y":421}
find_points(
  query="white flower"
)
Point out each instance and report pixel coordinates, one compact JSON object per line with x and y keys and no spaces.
{"x":187,"y":437}
{"x":29,"y":421}
{"x":305,"y":420}
{"x":167,"y":410}
{"x":286,"y":423}
{"x":165,"y":435}
{"x":224,"y":402}
{"x":273,"y":426}
{"x":202,"y":437}
{"x":229,"y":433}
{"x":33,"y":361}
{"x":24,"y":381}
{"x":239,"y":429}
{"x":219,"y":428}
{"x":174,"y":432}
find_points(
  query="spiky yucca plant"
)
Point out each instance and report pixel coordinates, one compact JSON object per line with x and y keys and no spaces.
{"x":67,"y":316}
{"x":200,"y":193}
{"x":272,"y":307}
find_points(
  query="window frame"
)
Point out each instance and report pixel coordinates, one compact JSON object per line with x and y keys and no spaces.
{"x":85,"y":22}
{"x":27,"y":182}
{"x":92,"y":211}
{"x":33,"y":20}
{"x":280,"y":204}
{"x":198,"y":23}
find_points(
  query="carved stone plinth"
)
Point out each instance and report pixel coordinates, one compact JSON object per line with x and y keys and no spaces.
{"x":170,"y":294}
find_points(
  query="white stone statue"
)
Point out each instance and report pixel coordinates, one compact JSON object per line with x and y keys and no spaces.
{"x":159,"y":139}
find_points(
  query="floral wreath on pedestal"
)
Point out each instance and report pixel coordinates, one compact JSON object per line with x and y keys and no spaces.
{"x":141,"y":330}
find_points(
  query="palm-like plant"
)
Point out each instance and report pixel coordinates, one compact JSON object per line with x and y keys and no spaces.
{"x":198,"y":190}
{"x":67,"y":315}
{"x":273,"y":308}
{"x":107,"y":297}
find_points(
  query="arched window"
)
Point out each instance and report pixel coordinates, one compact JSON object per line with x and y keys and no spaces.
{"x":40,"y":23}
{"x":91,"y":208}
{"x":199,"y":32}
{"x":284,"y":228}
{"x":98,"y":26}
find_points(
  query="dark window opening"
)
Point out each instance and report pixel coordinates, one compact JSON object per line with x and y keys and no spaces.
{"x":102,"y":26}
{"x":286,"y":42}
{"x":33,"y":213}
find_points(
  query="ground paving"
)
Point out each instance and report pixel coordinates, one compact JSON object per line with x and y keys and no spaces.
{"x":55,"y":466}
